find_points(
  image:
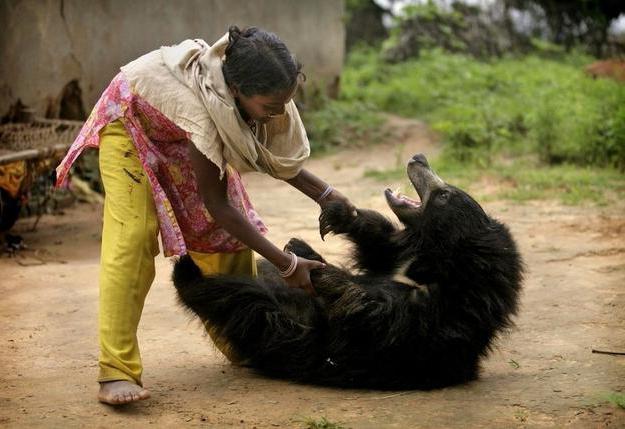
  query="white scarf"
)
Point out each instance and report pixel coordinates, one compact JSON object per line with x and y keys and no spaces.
{"x":185,"y":82}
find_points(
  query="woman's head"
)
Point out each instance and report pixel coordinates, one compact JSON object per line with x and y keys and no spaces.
{"x":260,"y":72}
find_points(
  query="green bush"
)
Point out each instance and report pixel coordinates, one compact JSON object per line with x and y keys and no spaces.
{"x":513,"y":106}
{"x":340,"y":124}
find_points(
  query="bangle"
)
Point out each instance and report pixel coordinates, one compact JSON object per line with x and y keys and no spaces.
{"x":291,"y":268}
{"x":325,"y":193}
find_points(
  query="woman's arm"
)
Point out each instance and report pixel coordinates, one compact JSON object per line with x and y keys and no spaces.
{"x":214,"y":194}
{"x":318,"y":190}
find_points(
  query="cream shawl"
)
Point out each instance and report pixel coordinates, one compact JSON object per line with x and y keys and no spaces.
{"x":186,"y":84}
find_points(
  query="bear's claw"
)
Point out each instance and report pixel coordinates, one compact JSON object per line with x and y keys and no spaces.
{"x":336,"y":218}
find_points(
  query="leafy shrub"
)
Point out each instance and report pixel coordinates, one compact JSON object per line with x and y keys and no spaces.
{"x":340,"y":124}
{"x":514,"y":106}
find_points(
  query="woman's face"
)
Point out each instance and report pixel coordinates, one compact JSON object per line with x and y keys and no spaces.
{"x":262,"y":108}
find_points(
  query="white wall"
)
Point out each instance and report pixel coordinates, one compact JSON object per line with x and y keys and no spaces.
{"x":46,"y":43}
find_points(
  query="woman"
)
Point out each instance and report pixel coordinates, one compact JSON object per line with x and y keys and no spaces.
{"x":174,"y":129}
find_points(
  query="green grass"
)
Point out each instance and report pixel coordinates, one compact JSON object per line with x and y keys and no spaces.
{"x":339,"y":124}
{"x":570,"y":184}
{"x":520,"y":181}
{"x":533,"y":127}
{"x":321,"y":423}
{"x":513,"y":106}
{"x":617,"y":399}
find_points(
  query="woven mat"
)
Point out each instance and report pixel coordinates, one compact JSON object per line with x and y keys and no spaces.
{"x":38,"y":134}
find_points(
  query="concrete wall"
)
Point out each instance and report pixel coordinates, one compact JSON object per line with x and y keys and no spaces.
{"x":44,"y":44}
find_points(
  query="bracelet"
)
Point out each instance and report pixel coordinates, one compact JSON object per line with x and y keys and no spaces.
{"x":325,"y":193}
{"x":291,"y":268}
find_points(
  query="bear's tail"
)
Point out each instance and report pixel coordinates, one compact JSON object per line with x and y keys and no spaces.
{"x":261,"y":330}
{"x":186,"y":273}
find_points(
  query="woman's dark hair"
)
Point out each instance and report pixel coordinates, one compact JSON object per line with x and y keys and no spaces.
{"x":258,"y":63}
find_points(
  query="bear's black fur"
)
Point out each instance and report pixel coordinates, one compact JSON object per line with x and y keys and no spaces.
{"x":423,"y":305}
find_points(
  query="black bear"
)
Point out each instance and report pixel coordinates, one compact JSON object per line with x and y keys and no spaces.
{"x":420,"y":308}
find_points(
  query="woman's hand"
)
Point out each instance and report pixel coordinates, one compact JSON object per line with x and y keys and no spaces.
{"x":301,"y":277}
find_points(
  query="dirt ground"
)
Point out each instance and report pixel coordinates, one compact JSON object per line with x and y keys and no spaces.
{"x":542,"y":374}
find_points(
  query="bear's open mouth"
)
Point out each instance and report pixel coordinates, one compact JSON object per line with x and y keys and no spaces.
{"x":398,"y":199}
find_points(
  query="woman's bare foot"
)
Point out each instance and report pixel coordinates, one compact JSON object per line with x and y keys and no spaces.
{"x":121,"y":392}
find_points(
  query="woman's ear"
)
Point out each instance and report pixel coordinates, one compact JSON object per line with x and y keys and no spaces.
{"x":234,"y":91}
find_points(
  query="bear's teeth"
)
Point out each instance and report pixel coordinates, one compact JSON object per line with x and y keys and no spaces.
{"x":409,"y":200}
{"x":397,"y":194}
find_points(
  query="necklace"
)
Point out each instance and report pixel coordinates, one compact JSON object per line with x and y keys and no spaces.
{"x":252,"y":125}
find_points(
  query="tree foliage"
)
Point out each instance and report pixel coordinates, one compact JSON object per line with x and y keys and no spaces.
{"x":364,"y":23}
{"x":577,"y":21}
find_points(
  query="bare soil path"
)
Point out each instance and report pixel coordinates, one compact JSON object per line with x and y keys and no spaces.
{"x":543,"y":374}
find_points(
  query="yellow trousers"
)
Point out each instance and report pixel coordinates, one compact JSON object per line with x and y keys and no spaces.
{"x":129,"y":245}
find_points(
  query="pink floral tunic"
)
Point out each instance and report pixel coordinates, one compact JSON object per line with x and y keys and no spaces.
{"x":162,"y":147}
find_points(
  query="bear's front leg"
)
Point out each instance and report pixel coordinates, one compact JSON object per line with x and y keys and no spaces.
{"x":372,"y":233}
{"x":303,"y":249}
{"x":332,"y":283}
